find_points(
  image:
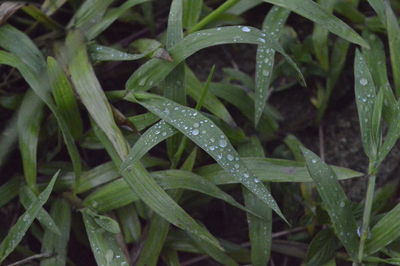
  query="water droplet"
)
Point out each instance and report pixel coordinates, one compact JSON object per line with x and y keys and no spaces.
{"x":164,"y":134}
{"x":363,"y":81}
{"x":313,"y":161}
{"x":212,"y":140}
{"x":246,"y":175}
{"x":246,"y":29}
{"x":195,"y":132}
{"x":342,"y":204}
{"x":230,"y":157}
{"x":212,"y":148}
{"x":236,"y":166}
{"x":196,"y":125}
{"x":257,"y":180}
{"x":222,"y":143}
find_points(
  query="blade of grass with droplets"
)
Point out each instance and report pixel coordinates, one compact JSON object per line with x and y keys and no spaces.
{"x":174,"y":84}
{"x":365,"y":98}
{"x":57,"y":244}
{"x":211,"y":103}
{"x":155,"y":70}
{"x":393,"y":32}
{"x":29,"y":61}
{"x":111,"y":15}
{"x":90,"y":92}
{"x":271,"y":170}
{"x":28,"y":134}
{"x":143,"y":120}
{"x":9,"y":190}
{"x":26,"y":197}
{"x":211,"y":139}
{"x":143,"y":185}
{"x":259,"y":229}
{"x":153,"y":136}
{"x":18,"y":230}
{"x":191,"y":13}
{"x":64,"y":97}
{"x":335,"y":201}
{"x":99,"y":53}
{"x":317,"y":14}
{"x":385,"y":231}
{"x":8,"y":138}
{"x":272,"y":25}
{"x":103,"y":243}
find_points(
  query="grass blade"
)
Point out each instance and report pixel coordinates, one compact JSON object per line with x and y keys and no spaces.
{"x":26,"y":197}
{"x":57,"y":244}
{"x":8,"y":138}
{"x":319,"y":15}
{"x":191,"y":13}
{"x":9,"y":190}
{"x":335,"y":200}
{"x":103,"y":243}
{"x":154,"y":71}
{"x":99,"y":53}
{"x":365,"y":98}
{"x":393,"y":31}
{"x":195,"y":126}
{"x":272,"y":25}
{"x":18,"y":230}
{"x":384,"y":232}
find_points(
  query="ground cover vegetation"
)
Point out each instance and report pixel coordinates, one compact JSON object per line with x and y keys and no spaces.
{"x":199,"y":132}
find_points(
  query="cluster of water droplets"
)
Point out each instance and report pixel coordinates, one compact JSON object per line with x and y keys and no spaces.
{"x":205,"y":134}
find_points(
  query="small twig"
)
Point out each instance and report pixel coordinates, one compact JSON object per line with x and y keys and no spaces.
{"x":34,"y":257}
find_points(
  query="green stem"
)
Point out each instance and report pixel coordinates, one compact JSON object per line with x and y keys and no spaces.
{"x":213,"y":15}
{"x":366,"y":216}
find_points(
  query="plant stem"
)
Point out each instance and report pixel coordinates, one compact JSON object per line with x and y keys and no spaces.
{"x":213,"y":15}
{"x":366,"y":216}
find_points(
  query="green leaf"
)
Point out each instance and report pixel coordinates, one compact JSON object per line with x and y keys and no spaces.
{"x":393,"y":32}
{"x":211,"y":139}
{"x":130,"y":223}
{"x":153,"y":136}
{"x":18,"y":230}
{"x":8,"y":138}
{"x":322,"y":248}
{"x":57,"y":244}
{"x":259,"y":229}
{"x":99,"y":53}
{"x":384,"y":232}
{"x":9,"y":190}
{"x":104,"y":244}
{"x":335,"y":201}
{"x":97,"y":176}
{"x":108,"y":224}
{"x":317,"y":14}
{"x":191,"y":13}
{"x":64,"y":97}
{"x":28,"y":134}
{"x":154,"y":71}
{"x":26,"y":197}
{"x":272,"y":25}
{"x":91,"y":93}
{"x":365,"y":98}
{"x":271,"y":170}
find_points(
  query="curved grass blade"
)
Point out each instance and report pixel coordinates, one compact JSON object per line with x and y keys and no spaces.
{"x":393,"y":32}
{"x":110,"y":16}
{"x":365,"y":98}
{"x":28,"y":134}
{"x":335,"y":200}
{"x":319,"y":15}
{"x":99,"y":53}
{"x":103,"y":243}
{"x":30,"y":62}
{"x":271,"y":170}
{"x":9,"y":190}
{"x":211,"y":139}
{"x":272,"y":25}
{"x":384,"y":232}
{"x":211,"y":103}
{"x":64,"y":97}
{"x":153,"y":136}
{"x":26,"y":197}
{"x":154,"y":71}
{"x":260,"y":230}
{"x":57,"y":244}
{"x":97,"y":176}
{"x":8,"y":138}
{"x":18,"y":230}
